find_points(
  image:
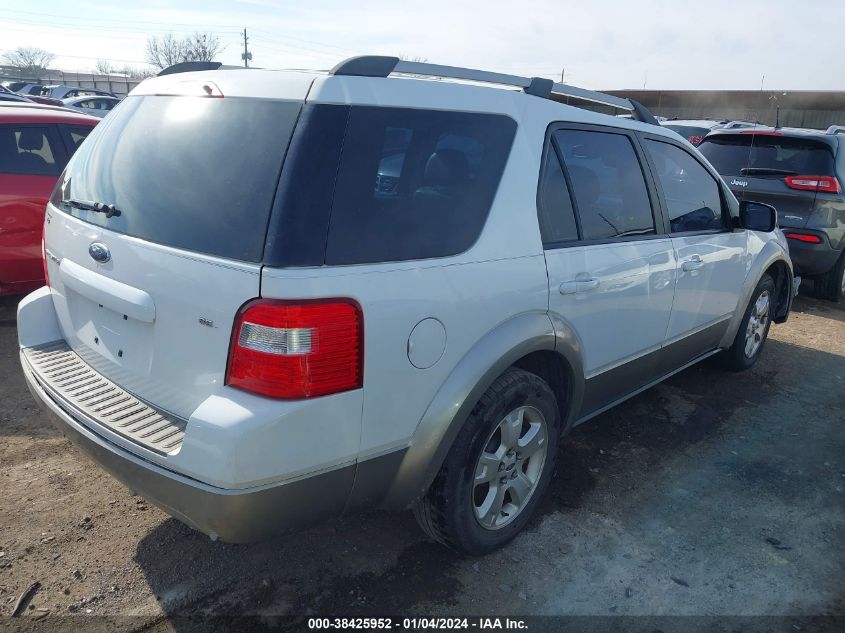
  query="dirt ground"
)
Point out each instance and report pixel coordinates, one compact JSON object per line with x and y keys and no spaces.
{"x":711,"y":494}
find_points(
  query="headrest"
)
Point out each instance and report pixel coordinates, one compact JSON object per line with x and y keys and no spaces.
{"x":446,"y":167}
{"x":31,"y":139}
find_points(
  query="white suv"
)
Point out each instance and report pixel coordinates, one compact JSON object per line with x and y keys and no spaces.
{"x":274,"y":297}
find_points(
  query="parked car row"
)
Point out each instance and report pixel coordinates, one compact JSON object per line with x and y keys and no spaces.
{"x":88,"y":100}
{"x":694,"y":130}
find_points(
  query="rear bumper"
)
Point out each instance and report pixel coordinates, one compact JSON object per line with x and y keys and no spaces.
{"x":811,"y":259}
{"x":236,"y":516}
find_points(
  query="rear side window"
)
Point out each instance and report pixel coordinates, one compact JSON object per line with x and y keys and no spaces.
{"x":608,"y":185}
{"x":28,"y":150}
{"x":193,"y":173}
{"x":691,"y":193}
{"x":767,"y":155}
{"x":414,"y":184}
{"x":555,"y":212}
{"x":73,"y":136}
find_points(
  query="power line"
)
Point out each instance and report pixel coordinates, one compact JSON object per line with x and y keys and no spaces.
{"x":66,"y":18}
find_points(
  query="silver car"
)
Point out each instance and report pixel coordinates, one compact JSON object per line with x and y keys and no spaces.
{"x":98,"y":106}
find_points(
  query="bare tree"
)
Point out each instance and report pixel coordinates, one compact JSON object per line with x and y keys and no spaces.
{"x":166,"y":50}
{"x":29,"y":59}
{"x":135,"y":72}
{"x":104,"y":67}
{"x":202,"y":47}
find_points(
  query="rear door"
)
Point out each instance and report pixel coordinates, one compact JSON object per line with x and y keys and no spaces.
{"x":711,"y":255}
{"x":611,"y":269}
{"x":148,"y":294}
{"x":31,"y":158}
{"x":770,"y":167}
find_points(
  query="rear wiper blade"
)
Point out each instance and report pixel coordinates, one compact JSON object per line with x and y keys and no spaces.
{"x":766,"y":171}
{"x":87,"y":205}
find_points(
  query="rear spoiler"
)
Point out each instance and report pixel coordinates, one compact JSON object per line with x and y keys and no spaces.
{"x":189,"y":67}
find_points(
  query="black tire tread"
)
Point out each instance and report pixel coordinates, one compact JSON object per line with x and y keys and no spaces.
{"x":734,"y":358}
{"x":429,"y":511}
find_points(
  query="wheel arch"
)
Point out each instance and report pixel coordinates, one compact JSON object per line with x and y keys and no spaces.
{"x":771,"y":259}
{"x":530,"y":341}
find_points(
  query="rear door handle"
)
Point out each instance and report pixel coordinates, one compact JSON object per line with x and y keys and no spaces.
{"x":581,"y":283}
{"x":693,"y":263}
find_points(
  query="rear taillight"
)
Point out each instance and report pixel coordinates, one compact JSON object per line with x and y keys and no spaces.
{"x":803,"y":237}
{"x":293,"y":350}
{"x":827,"y":184}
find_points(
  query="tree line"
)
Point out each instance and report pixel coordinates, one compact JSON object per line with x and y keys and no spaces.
{"x":161,"y":52}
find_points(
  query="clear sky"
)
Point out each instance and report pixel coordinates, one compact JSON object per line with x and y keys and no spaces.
{"x":600,"y":43}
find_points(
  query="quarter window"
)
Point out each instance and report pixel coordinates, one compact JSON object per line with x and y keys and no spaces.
{"x":691,"y":193}
{"x":74,"y":136}
{"x":27,"y":150}
{"x":557,"y":217}
{"x":414,"y":184}
{"x":608,"y":186}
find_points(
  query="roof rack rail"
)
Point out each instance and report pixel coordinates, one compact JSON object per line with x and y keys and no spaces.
{"x":383,"y":66}
{"x":836,"y":129}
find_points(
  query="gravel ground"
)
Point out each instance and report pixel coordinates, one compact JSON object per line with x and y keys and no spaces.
{"x":711,"y":494}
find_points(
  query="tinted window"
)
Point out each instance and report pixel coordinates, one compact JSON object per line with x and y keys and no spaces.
{"x":27,"y":149}
{"x":607,"y":182}
{"x":730,"y":154}
{"x":193,"y":173}
{"x":557,"y":217}
{"x":414,"y":184}
{"x":73,"y":136}
{"x":691,"y":193}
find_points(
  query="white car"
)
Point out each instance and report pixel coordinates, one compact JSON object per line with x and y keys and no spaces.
{"x":98,"y":106}
{"x":274,"y":297}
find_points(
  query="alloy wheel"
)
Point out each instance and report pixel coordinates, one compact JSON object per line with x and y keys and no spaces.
{"x":758,"y":321}
{"x":509,"y":467}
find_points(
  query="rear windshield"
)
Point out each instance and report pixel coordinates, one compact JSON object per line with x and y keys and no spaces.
{"x":693,"y":134}
{"x":194,"y":173}
{"x":783,"y":155}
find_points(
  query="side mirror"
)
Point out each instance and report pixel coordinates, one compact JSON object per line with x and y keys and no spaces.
{"x":756,"y":216}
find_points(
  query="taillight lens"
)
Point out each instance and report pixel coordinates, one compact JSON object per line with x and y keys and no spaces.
{"x":294,"y":350}
{"x":803,"y":237}
{"x":828,"y":184}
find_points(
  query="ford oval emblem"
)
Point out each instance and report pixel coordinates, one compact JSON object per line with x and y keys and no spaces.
{"x":99,"y":252}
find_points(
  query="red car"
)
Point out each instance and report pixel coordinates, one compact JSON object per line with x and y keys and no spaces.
{"x":35,"y":145}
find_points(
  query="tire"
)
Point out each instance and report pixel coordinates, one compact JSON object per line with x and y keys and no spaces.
{"x":737,"y":356}
{"x":831,"y":285}
{"x":518,"y":410}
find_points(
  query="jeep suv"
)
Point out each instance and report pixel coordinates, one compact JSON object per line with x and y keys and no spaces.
{"x":801,"y":173}
{"x":275,"y":297}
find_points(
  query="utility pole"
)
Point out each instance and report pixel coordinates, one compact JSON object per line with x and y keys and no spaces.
{"x":246,"y":55}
